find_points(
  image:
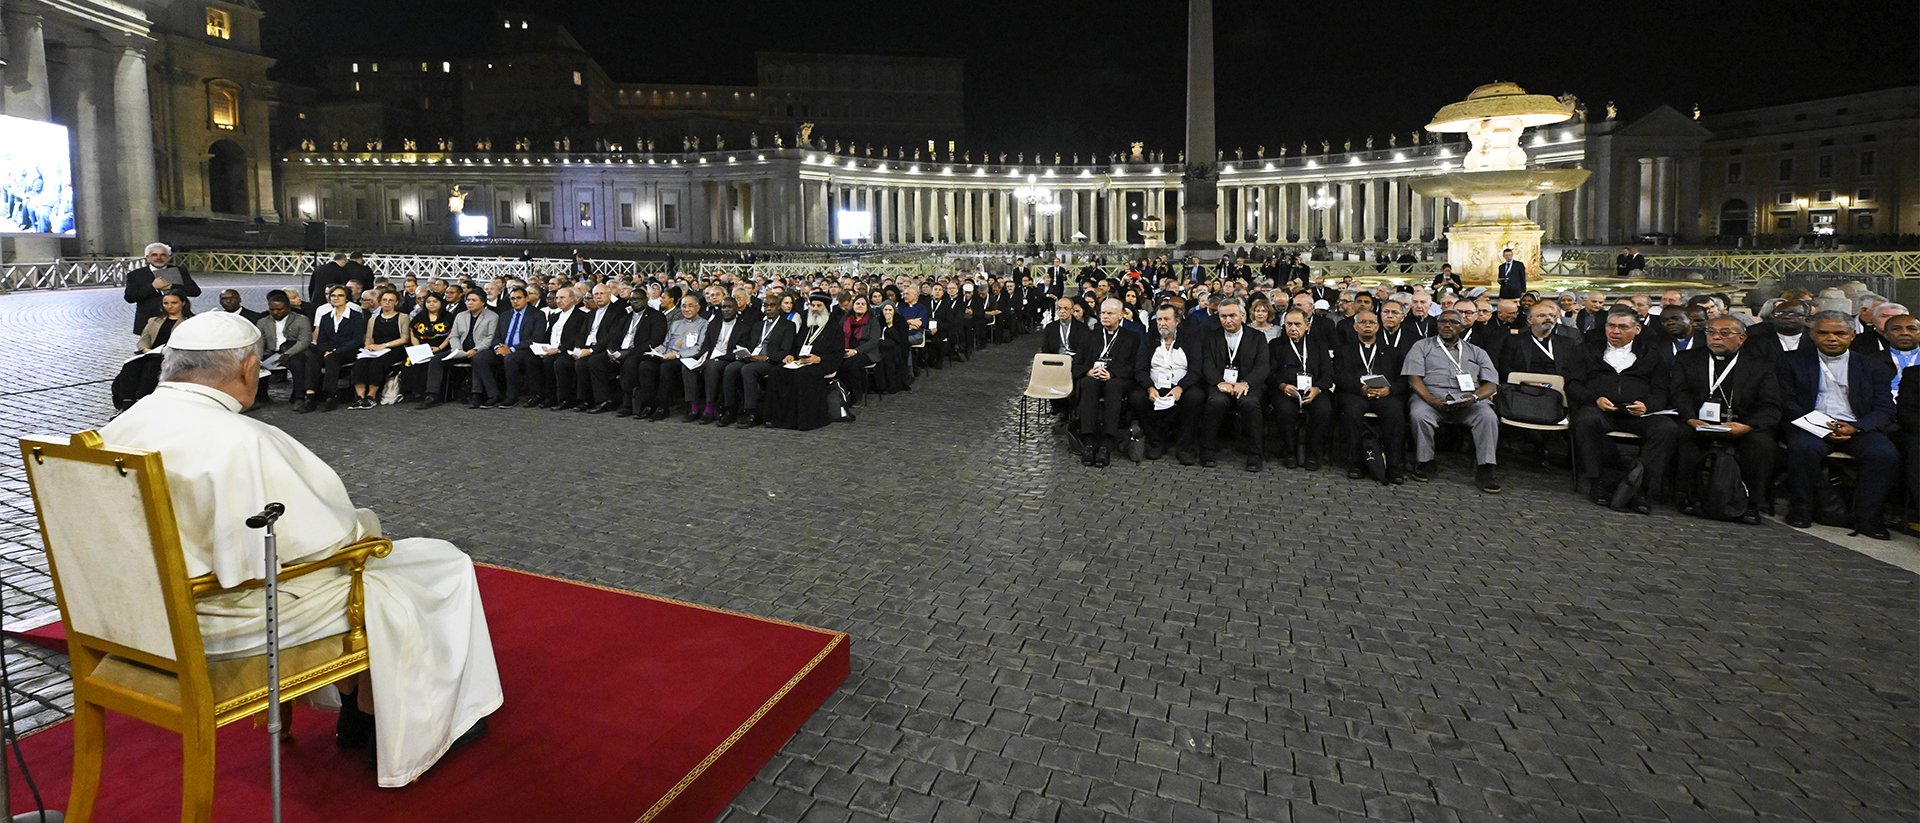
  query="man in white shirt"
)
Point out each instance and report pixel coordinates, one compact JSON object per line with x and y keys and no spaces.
{"x":433,"y":679}
{"x":1167,"y":394}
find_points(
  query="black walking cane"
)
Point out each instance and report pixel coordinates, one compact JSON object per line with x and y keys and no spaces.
{"x":265,"y":519}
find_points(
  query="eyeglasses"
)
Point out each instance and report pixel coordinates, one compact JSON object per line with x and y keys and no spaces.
{"x":1719,"y":333}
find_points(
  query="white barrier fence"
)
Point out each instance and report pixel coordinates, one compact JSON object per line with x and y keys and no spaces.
{"x":66,"y":274}
{"x":397,"y":266}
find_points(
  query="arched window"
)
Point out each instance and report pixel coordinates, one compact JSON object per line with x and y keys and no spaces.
{"x":223,"y":105}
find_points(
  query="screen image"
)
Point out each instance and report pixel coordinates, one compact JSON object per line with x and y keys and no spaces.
{"x":36,"y":179}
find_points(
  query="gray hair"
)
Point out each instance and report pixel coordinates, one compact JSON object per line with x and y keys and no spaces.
{"x":204,"y":367}
{"x":1867,"y":300}
{"x":1230,"y":300}
{"x":161,"y":246}
{"x":1831,"y":315}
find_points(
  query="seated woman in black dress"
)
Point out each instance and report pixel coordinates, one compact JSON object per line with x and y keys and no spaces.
{"x":895,"y":373}
{"x":861,"y":329}
{"x":390,"y":335}
{"x":139,"y":376}
{"x":431,"y":327}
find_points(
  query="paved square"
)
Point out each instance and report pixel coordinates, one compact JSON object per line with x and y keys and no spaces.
{"x":1038,"y":641}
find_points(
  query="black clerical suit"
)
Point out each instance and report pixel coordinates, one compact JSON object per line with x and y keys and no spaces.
{"x":1176,"y":424}
{"x":1401,"y":338}
{"x":1254,"y":363}
{"x":1290,"y":359}
{"x":538,"y":373}
{"x":1555,"y":355}
{"x":561,"y":365}
{"x":771,"y":343}
{"x":1493,"y":337}
{"x":720,"y":356}
{"x":1101,"y":400}
{"x":1351,"y":363}
{"x":327,"y":275}
{"x":593,"y":374}
{"x":1870,"y":398}
{"x":1763,"y":339}
{"x":1747,"y":392}
{"x":146,"y":299}
{"x":1645,"y":381}
{"x":797,"y":398}
{"x":1908,"y":412}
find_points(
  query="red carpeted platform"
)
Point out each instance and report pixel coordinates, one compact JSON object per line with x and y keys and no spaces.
{"x":620,"y":708}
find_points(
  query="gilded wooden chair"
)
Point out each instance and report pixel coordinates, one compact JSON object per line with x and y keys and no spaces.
{"x":106,"y":520}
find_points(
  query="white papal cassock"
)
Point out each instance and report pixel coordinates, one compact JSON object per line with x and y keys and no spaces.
{"x":431,"y":657}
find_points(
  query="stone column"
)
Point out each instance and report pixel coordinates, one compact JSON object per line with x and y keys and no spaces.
{"x":1200,"y":210}
{"x":1646,"y":215}
{"x":1394,"y":192}
{"x":26,"y":93}
{"x":92,"y":170}
{"x":134,"y":127}
{"x":1663,"y":199}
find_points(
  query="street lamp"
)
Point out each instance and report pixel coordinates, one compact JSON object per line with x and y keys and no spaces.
{"x":1322,"y":202}
{"x":1040,"y":200}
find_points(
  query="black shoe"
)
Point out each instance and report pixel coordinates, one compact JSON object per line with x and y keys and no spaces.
{"x":1799,"y":519}
{"x":1186,"y":457}
{"x":1396,"y":476}
{"x":1603,"y":499}
{"x":752,"y":421}
{"x":1155,"y":451}
{"x":474,"y":732}
{"x":1356,"y":473}
{"x":1641,"y":504}
{"x":1103,"y":457}
{"x":1483,"y":477}
{"x":643,"y":413}
{"x":353,"y":728}
{"x":474,"y":401}
{"x":707,"y":418}
{"x":1312,"y":464}
{"x":510,"y":402}
{"x":1291,"y":461}
{"x":583,"y":407}
{"x":430,"y":403}
{"x":603,"y":408}
{"x":330,"y":405}
{"x":1751,"y":518}
{"x":1253,"y":463}
{"x":658,"y":415}
{"x":726,"y":419}
{"x":1877,"y":531}
{"x":1207,"y":460}
{"x":1086,"y":456}
{"x":1423,"y":471}
{"x":623,"y":411}
{"x":691,"y":416}
{"x":303,"y":406}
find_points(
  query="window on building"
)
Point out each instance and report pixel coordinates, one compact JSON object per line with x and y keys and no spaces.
{"x":1786,"y":169}
{"x":669,"y":216}
{"x":1784,"y":198}
{"x":626,"y":215}
{"x":1823,"y":195}
{"x":1823,"y":167}
{"x":1734,"y":173}
{"x":1866,"y":163}
{"x":586,"y":214}
{"x":356,"y":68}
{"x":1865,"y":195}
{"x":423,"y":67}
{"x":356,"y":85}
{"x":374,"y":67}
{"x":224,"y":108}
{"x":576,"y":78}
{"x":393,"y":210}
{"x":1783,"y":224}
{"x":218,"y":24}
{"x":446,"y":67}
{"x":544,"y":214}
{"x":360,"y":208}
{"x":506,"y":213}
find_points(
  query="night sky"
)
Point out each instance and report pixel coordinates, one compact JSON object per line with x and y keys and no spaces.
{"x":1052,"y":76}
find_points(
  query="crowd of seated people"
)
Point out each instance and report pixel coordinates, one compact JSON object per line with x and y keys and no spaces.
{"x":1370,"y":379}
{"x":1681,"y":377}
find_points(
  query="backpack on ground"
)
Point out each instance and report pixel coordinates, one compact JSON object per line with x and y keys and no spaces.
{"x":1719,"y":486}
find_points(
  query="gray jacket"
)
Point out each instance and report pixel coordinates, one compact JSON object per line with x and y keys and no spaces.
{"x":484,"y":330}
{"x":299,"y":335}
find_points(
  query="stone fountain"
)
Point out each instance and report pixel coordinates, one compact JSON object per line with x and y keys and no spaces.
{"x":1494,"y":184}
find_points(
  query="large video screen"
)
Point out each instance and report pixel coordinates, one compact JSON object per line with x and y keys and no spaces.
{"x":36,"y":179}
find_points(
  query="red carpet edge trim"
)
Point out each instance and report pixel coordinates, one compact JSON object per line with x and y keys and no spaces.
{"x":719,"y":751}
{"x":716,"y":610}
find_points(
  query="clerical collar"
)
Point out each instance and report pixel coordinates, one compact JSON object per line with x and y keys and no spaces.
{"x":225,"y":400}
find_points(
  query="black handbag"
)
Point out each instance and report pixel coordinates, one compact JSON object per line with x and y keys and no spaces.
{"x":1523,"y":403}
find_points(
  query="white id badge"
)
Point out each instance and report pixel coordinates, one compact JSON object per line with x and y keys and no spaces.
{"x":1710,"y":412}
{"x":693,"y":339}
{"x":1099,"y":364}
{"x":806,"y":350}
{"x":1231,"y":375}
{"x":933,"y":325}
{"x":1464,"y":381}
{"x":1303,"y":382}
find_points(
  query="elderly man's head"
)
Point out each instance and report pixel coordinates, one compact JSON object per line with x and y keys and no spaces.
{"x":215,"y":350}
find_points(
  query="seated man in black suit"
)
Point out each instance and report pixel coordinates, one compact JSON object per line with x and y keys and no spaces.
{"x":1852,"y":394}
{"x":1684,"y":327}
{"x":727,"y":335}
{"x":1167,"y":395}
{"x":634,"y":355}
{"x":1298,"y":382}
{"x":593,"y":375}
{"x":521,"y":327}
{"x":1621,"y":384}
{"x":1367,"y":378}
{"x":1783,"y":331}
{"x":1234,"y":364}
{"x":773,"y":339}
{"x":564,"y":331}
{"x":1102,"y":388}
{"x":1066,"y":336}
{"x":1542,"y":349}
{"x":1715,"y":388}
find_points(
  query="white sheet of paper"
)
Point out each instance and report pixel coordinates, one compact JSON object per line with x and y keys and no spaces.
{"x":272,"y":361}
{"x":368,"y":354}
{"x":1162,"y":403}
{"x":420,"y":353}
{"x":1815,"y":423}
{"x":693,"y":362}
{"x":794,"y":365}
{"x":540,"y":349}
{"x":456,"y":354}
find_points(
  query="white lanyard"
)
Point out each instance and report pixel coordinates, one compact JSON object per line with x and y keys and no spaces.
{"x":1299,"y":351}
{"x":1546,"y":350}
{"x":1366,"y":357}
{"x":1829,"y":373}
{"x":1065,"y":333}
{"x":817,"y":332}
{"x":1713,"y":383}
{"x":1110,"y":335}
{"x":1394,"y":341}
{"x":1457,"y":367}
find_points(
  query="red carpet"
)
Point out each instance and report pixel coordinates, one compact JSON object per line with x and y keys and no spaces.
{"x":620,"y":708}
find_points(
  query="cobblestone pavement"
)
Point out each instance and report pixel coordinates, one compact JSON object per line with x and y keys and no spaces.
{"x":1038,"y":641}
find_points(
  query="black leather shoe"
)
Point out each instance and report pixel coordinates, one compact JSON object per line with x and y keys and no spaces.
{"x":690,"y":416}
{"x":1312,"y":464}
{"x":1751,"y":518}
{"x":707,"y":418}
{"x":726,"y":419}
{"x":303,"y":406}
{"x":752,"y":421}
{"x":1641,"y":505}
{"x":330,"y":405}
{"x":473,"y":402}
{"x":1207,"y":460}
{"x":430,"y":403}
{"x":603,"y":408}
{"x":1799,"y":519}
{"x":1356,"y":473}
{"x":1396,"y":477}
{"x":1483,"y":477}
{"x":353,"y":728}
{"x":510,"y":402}
{"x":1155,"y":451}
{"x":1086,"y":457}
{"x":1103,"y":457}
{"x":623,"y":411}
{"x":1185,"y":456}
{"x":1603,"y":500}
{"x":1876,"y":531}
{"x":658,"y":415}
{"x":1253,"y":463}
{"x":1423,"y":472}
{"x":1290,"y":461}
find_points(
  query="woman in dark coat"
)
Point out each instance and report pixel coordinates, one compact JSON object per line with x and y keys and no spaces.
{"x":862,"y":330}
{"x":896,"y":364}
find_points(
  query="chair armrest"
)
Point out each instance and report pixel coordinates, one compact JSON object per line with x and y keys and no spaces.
{"x":353,"y":555}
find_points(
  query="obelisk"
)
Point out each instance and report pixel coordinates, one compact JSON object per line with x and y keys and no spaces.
{"x":1199,"y":199}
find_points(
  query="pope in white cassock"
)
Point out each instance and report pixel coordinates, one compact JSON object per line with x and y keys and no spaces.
{"x":432,"y":670}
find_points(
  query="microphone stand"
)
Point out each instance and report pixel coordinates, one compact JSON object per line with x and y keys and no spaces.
{"x":265,"y":519}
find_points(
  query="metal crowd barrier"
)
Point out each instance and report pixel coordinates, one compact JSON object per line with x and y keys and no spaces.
{"x":397,"y":266}
{"x":66,"y":273}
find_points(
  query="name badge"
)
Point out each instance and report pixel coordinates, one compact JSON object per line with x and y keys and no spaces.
{"x":1099,"y":364}
{"x":693,"y":339}
{"x":1232,"y":375}
{"x":806,"y":350}
{"x":1464,"y":381}
{"x":1710,"y":412}
{"x":1303,"y":382}
{"x":933,"y":325}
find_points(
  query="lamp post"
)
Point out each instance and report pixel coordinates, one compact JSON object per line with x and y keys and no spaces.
{"x":1321,"y":202}
{"x":1040,"y":200}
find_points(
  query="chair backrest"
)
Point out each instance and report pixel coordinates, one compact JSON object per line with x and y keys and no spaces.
{"x":106,"y":520}
{"x":1052,"y":376}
